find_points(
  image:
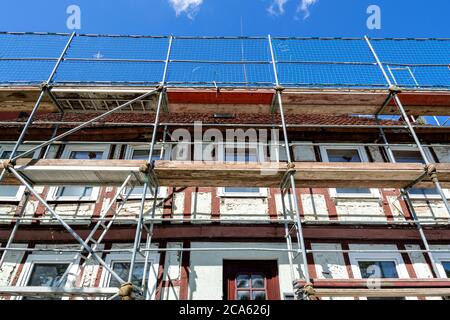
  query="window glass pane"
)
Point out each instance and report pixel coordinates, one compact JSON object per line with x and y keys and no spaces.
{"x":258,"y":295}
{"x":9,"y":191}
{"x":446,"y":266}
{"x":233,"y":155}
{"x":7,"y":154}
{"x":241,"y":190}
{"x":76,"y":192}
{"x":46,"y":275}
{"x":243,"y":295}
{"x":423,"y":192}
{"x":407,"y":156}
{"x":243,"y":281}
{"x":86,"y":155}
{"x":378,"y":269}
{"x":123,"y":270}
{"x":343,"y":155}
{"x":257,"y":281}
{"x":361,"y":191}
{"x":346,"y":155}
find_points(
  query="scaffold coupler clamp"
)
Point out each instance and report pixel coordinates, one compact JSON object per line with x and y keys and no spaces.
{"x":305,"y":292}
{"x":147,"y":167}
{"x":126,"y":291}
{"x":160,"y":87}
{"x":430,"y":169}
{"x":44,"y":85}
{"x":278,"y":88}
{"x":393,"y":89}
{"x":7,"y":164}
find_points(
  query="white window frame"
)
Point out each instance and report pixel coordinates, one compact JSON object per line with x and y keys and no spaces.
{"x":356,"y":257}
{"x":166,"y":152}
{"x":68,"y":149}
{"x":429,"y":155}
{"x":33,"y":259}
{"x":400,"y":266}
{"x":374,"y":193}
{"x":34,"y":155}
{"x":262,"y":193}
{"x":152,"y":276}
{"x":440,"y":257}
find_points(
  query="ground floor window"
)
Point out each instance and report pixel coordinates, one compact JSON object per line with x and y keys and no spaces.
{"x":251,"y":280}
{"x":46,"y":270}
{"x":388,"y":265}
{"x":120,"y":263}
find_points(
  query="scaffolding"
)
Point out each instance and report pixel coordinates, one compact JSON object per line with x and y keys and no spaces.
{"x":272,"y":68}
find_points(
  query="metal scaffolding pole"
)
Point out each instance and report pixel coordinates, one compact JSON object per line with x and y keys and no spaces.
{"x":138,"y":234}
{"x":298,"y":223}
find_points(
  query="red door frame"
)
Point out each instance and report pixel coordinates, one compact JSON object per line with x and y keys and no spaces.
{"x":269,"y":268}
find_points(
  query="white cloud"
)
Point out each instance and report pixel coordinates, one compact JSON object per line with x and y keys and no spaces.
{"x":304,"y":6}
{"x":188,"y":7}
{"x":276,"y":8}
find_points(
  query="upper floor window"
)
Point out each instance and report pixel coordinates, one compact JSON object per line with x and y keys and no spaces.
{"x":120,"y":263}
{"x":410,"y":155}
{"x":383,"y":265}
{"x":13,"y":192}
{"x":248,"y":154}
{"x":347,"y":154}
{"x":79,"y":193}
{"x":141,"y":152}
{"x":378,"y":269}
{"x":46,"y":270}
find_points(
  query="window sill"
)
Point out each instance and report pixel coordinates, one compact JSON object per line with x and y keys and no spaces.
{"x":240,"y":195}
{"x":72,"y":200}
{"x":355,"y":197}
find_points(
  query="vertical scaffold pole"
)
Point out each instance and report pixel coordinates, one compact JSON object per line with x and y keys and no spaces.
{"x":298,"y":223}
{"x":410,"y":128}
{"x":137,"y":238}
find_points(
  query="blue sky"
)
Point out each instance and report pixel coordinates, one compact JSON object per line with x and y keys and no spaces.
{"x":399,"y":18}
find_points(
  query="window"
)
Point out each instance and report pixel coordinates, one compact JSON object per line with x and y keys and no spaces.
{"x":79,"y":193}
{"x":247,"y":155}
{"x":46,"y":270}
{"x":446,"y":267}
{"x":120,"y":263}
{"x":347,"y":154}
{"x":46,"y":275}
{"x":443,"y":263}
{"x":13,"y":193}
{"x":386,"y":265}
{"x":378,"y":269}
{"x":251,"y":280}
{"x":409,"y":155}
{"x":379,"y":265}
{"x":141,"y":152}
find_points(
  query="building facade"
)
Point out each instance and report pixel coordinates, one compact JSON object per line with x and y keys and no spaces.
{"x":287,"y":188}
